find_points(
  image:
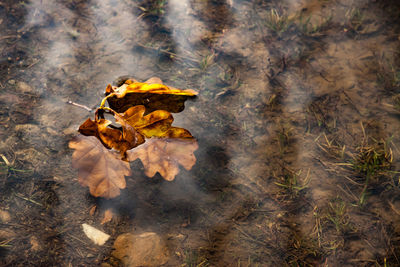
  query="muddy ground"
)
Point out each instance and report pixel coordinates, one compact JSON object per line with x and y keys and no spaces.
{"x":297,"y":121}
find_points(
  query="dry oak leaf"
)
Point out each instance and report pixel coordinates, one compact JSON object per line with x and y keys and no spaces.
{"x":98,"y":167}
{"x":153,"y":85}
{"x":156,"y":124}
{"x":122,"y":141}
{"x":152,"y":93}
{"x":164,"y":155}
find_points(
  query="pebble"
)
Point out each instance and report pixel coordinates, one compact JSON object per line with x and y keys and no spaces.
{"x":5,"y":216}
{"x":98,"y":237}
{"x":35,"y":246}
{"x":23,"y":87}
{"x":146,"y":249}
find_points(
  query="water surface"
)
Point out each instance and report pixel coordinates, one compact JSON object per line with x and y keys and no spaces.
{"x":297,"y":121}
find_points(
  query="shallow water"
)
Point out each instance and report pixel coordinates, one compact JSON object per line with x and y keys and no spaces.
{"x":297,"y":121}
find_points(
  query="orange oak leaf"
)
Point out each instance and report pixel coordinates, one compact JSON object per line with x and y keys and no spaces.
{"x":164,"y":155}
{"x":121,"y":140}
{"x":153,"y":94}
{"x":99,"y":168}
{"x":156,"y":124}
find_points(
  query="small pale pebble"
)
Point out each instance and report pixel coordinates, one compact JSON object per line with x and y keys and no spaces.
{"x":35,"y":246}
{"x":98,"y":237}
{"x":5,"y":216}
{"x":23,"y":87}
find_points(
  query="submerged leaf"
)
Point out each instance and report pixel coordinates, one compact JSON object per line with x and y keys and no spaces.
{"x":98,"y":167}
{"x":164,"y":156}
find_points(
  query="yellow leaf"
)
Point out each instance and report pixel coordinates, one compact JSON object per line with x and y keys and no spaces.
{"x":156,"y":124}
{"x":153,"y":94}
{"x":148,"y":87}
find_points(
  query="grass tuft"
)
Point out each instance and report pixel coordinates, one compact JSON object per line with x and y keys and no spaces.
{"x":355,"y":19}
{"x":292,"y":183}
{"x":310,"y":29}
{"x":337,"y":215}
{"x":278,"y":23}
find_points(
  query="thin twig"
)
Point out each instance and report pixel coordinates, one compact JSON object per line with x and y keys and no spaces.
{"x":347,"y":193}
{"x":8,"y":37}
{"x":352,"y":181}
{"x":250,"y":237}
{"x":28,"y":199}
{"x":76,"y":238}
{"x":5,"y":160}
{"x":394,"y":208}
{"x":79,"y":105}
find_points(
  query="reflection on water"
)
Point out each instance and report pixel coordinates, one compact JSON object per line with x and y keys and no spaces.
{"x":297,"y":121}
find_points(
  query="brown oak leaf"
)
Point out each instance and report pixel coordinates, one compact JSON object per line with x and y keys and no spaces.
{"x":156,"y":124}
{"x":99,"y":168}
{"x":164,"y":155}
{"x":121,"y":140}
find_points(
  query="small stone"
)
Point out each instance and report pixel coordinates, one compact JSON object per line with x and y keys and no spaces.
{"x":35,"y":246}
{"x":12,"y":82}
{"x":5,"y":216}
{"x":98,"y":237}
{"x":23,"y":87}
{"x":147,"y":249}
{"x":108,"y":216}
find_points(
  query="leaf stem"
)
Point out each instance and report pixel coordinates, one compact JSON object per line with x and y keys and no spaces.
{"x":103,"y":102}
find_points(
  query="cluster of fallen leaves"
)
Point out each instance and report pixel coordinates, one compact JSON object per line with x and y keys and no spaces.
{"x":103,"y":151}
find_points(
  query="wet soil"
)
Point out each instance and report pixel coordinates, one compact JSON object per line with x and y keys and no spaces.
{"x":297,"y":121}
